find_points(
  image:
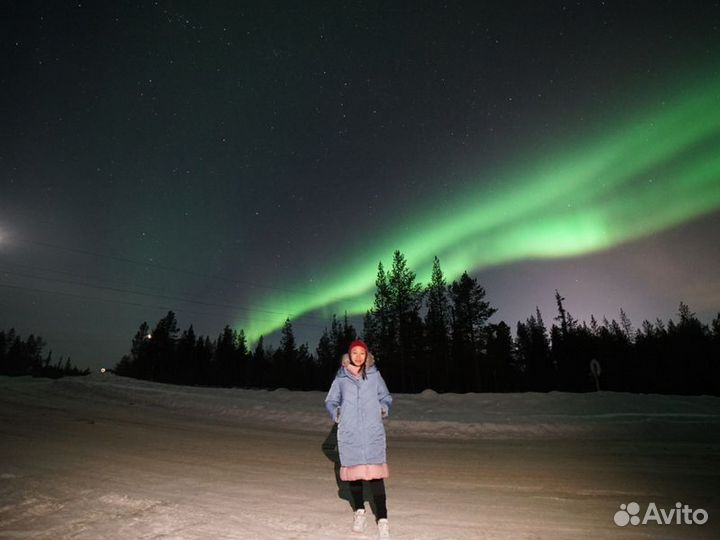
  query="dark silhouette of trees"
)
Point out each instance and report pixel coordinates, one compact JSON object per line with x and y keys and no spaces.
{"x":394,"y":324}
{"x":25,"y":357}
{"x":534,"y":362}
{"x":187,"y":364}
{"x":438,"y":337}
{"x":714,"y":375}
{"x":500,"y":363}
{"x":470,"y":313}
{"x":690,"y":340}
{"x":342,"y":334}
{"x":613,"y":349}
{"x":668,"y":358}
{"x":137,"y":364}
{"x":152,"y":354}
{"x":242,"y":361}
{"x":259,"y":366}
{"x":331,"y":346}
{"x":406,"y":298}
{"x":327,"y":360}
{"x":437,"y":358}
{"x":162,"y":347}
{"x":572,"y":351}
{"x":379,"y":326}
{"x":291,"y":364}
{"x":225,"y":369}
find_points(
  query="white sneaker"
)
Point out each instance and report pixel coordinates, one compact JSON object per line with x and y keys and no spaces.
{"x":383,"y":528}
{"x":360,"y":521}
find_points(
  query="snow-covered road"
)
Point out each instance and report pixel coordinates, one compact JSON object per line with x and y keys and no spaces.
{"x":109,"y":457}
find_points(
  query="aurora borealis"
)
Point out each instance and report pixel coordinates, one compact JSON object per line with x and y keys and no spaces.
{"x":244,"y":163}
{"x":641,"y":176}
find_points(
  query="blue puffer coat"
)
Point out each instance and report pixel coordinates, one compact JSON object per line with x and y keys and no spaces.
{"x":358,"y":406}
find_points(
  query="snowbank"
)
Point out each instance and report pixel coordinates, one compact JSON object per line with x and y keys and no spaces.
{"x":601,"y":415}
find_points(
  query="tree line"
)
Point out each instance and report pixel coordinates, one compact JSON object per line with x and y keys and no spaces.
{"x":438,"y":336}
{"x":20,"y":356}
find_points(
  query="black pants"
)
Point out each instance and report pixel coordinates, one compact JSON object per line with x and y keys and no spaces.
{"x":377,"y":488}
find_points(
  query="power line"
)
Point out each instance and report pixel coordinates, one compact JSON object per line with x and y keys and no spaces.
{"x":168,"y":268}
{"x":163,"y":296}
{"x":39,"y":219}
{"x":137,"y":304}
{"x":74,"y":274}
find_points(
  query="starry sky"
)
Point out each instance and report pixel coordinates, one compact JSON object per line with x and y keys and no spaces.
{"x":239,"y":163}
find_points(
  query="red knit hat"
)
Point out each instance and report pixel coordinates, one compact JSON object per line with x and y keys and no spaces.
{"x":358,"y":343}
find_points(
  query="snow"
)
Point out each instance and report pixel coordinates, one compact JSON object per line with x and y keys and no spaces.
{"x":109,"y":457}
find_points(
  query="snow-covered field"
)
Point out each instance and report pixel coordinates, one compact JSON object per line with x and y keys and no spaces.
{"x":108,"y":457}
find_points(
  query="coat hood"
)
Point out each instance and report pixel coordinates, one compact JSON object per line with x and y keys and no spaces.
{"x":369,"y":362}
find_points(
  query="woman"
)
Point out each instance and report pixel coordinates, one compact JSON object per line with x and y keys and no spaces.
{"x":358,"y":400}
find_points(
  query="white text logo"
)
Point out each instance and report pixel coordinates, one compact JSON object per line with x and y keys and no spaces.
{"x":629,"y":514}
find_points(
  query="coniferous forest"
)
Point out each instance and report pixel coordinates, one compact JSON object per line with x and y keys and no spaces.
{"x":437,"y":336}
{"x":20,"y":356}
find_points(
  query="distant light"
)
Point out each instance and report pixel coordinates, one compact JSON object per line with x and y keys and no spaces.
{"x":5,"y":236}
{"x":148,"y":336}
{"x":103,"y":370}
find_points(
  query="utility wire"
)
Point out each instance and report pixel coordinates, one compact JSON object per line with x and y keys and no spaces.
{"x":168,"y":268}
{"x":75,"y":274}
{"x":137,"y":304}
{"x":163,"y":296}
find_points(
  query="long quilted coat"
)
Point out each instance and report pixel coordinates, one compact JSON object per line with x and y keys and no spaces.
{"x":359,"y":405}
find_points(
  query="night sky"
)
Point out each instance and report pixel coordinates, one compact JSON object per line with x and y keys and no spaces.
{"x":240,"y":164}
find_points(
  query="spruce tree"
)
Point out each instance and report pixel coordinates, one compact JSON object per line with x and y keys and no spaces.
{"x":688,"y":359}
{"x":224,"y":358}
{"x":437,"y":357}
{"x":204,"y":351}
{"x":139,"y":365}
{"x":380,"y":329}
{"x":161,"y":347}
{"x":4,"y":341}
{"x":533,"y":349}
{"x":714,"y":371}
{"x":572,"y":365}
{"x":405,"y":302}
{"x":341,"y":335}
{"x":470,"y":313}
{"x":259,"y":371}
{"x":500,"y":358}
{"x":242,"y":360}
{"x":286,"y":367}
{"x":186,"y":363}
{"x":327,"y":362}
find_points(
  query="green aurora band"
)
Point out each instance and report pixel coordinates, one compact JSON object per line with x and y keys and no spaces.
{"x":654,"y":172}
